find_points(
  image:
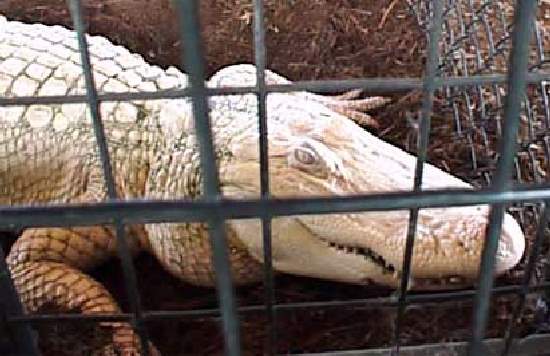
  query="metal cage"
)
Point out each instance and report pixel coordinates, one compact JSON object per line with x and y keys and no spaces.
{"x":468,"y":77}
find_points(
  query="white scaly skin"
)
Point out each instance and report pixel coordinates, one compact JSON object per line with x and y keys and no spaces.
{"x":49,"y":154}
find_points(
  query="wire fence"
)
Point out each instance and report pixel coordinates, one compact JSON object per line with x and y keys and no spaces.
{"x":470,"y":46}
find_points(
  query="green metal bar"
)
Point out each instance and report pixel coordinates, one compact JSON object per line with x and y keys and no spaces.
{"x":261,"y":91}
{"x":517,"y":75}
{"x":123,"y":251}
{"x":159,"y":211}
{"x":194,"y":60}
{"x":528,"y":275}
{"x":436,"y":25}
{"x":426,"y":299}
{"x":11,"y":307}
{"x":371,"y":85}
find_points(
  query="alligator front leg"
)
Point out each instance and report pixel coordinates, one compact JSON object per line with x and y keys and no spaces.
{"x":47,"y":268}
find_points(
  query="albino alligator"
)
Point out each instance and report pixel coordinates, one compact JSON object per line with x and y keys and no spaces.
{"x":48,"y":153}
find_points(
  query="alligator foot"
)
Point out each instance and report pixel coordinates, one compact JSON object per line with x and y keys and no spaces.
{"x":356,"y":109}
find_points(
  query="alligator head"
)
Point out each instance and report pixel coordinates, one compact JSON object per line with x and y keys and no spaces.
{"x":316,"y":152}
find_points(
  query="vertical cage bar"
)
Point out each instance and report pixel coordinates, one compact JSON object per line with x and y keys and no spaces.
{"x":130,"y":278}
{"x":426,"y":112}
{"x":517,"y":72}
{"x":527,"y":276}
{"x":260,"y":61}
{"x":194,"y":60}
{"x":23,"y":334}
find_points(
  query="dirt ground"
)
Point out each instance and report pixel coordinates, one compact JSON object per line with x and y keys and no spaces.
{"x":306,"y":40}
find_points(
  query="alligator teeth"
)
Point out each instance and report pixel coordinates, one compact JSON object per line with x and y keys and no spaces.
{"x":388,"y":268}
{"x":365,"y":252}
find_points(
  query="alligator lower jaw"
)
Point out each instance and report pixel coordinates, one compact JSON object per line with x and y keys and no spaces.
{"x":443,"y":282}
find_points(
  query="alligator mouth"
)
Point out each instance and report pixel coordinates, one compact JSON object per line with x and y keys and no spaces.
{"x":367,"y":253}
{"x":388,"y":268}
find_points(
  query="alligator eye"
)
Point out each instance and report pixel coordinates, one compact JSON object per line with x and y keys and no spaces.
{"x":305,"y":155}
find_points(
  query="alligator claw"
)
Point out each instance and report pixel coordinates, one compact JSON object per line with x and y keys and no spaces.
{"x":348,"y":105}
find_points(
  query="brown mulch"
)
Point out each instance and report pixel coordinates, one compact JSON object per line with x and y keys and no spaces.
{"x":306,"y":40}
